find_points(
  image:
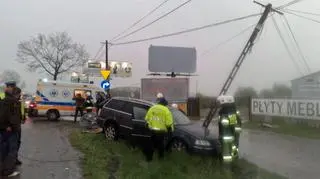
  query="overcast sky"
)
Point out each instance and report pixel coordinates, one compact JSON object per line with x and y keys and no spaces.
{"x":91,"y":22}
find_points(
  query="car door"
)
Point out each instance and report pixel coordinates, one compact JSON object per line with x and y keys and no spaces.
{"x":140,"y":132}
{"x":125,"y":119}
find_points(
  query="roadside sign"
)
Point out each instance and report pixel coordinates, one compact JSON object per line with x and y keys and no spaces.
{"x":94,"y":65}
{"x":105,"y":73}
{"x":105,"y":84}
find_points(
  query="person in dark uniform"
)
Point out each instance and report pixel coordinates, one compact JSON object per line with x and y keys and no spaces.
{"x":88,"y":103}
{"x":79,"y":106}
{"x":13,"y":130}
{"x":99,"y":99}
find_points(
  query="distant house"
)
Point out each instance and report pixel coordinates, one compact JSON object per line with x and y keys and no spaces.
{"x":307,"y":86}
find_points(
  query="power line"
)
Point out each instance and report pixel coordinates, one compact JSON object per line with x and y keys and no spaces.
{"x":159,"y":18}
{"x":226,"y":41}
{"x":303,"y":17}
{"x":289,"y":4}
{"x":102,"y":46}
{"x":286,"y":45}
{"x":303,"y":12}
{"x":297,"y":44}
{"x":188,"y":30}
{"x":141,"y":19}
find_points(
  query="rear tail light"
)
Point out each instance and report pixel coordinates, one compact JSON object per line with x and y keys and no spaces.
{"x":33,"y":105}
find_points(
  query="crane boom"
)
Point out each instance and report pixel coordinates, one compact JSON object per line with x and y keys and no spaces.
{"x":236,"y":67}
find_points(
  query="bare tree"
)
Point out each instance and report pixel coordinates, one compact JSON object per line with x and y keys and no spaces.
{"x":11,"y":75}
{"x":54,"y":54}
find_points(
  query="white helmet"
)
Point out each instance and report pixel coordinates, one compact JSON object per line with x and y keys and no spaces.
{"x":225,"y":99}
{"x":174,"y":105}
{"x":159,"y":95}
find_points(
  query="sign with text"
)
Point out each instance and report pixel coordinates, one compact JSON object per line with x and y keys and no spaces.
{"x":174,"y":89}
{"x":296,"y":108}
{"x":117,"y":69}
{"x":94,"y":65}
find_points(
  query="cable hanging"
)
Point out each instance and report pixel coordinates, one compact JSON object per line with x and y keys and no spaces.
{"x":140,"y":20}
{"x":99,"y":51}
{"x":156,"y":20}
{"x":188,"y":30}
{"x":289,"y":4}
{"x":297,"y":44}
{"x":303,"y":17}
{"x":303,"y":12}
{"x":226,"y":41}
{"x":286,"y":46}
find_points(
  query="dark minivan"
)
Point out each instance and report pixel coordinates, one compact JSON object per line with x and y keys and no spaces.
{"x":124,"y":117}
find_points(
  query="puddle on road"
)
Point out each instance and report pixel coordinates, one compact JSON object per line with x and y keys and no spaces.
{"x":244,"y":170}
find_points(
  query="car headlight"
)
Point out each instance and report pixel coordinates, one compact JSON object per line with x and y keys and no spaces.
{"x":202,"y":142}
{"x":225,"y":121}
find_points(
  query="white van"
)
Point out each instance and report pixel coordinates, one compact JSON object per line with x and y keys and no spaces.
{"x":54,"y":99}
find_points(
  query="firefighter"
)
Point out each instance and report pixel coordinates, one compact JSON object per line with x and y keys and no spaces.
{"x":228,"y":124}
{"x":160,"y":122}
{"x":88,"y":103}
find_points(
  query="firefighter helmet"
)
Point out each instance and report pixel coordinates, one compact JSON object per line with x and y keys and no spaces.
{"x":225,"y":99}
{"x":174,"y":105}
{"x":160,"y":95}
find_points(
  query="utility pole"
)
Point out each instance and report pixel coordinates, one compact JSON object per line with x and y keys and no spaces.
{"x":236,"y":67}
{"x":107,"y":64}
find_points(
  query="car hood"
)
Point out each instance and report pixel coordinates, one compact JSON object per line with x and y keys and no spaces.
{"x":195,"y":129}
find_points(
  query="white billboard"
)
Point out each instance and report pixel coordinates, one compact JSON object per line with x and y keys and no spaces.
{"x":174,"y":89}
{"x":295,"y":108}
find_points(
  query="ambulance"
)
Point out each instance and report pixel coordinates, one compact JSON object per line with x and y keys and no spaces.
{"x":54,"y":99}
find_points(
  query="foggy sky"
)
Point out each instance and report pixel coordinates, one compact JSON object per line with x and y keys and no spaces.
{"x":92,"y":22}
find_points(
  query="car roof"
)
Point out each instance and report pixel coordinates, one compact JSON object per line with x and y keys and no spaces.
{"x":134,"y":100}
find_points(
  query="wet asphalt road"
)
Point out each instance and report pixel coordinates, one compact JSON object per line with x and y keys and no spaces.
{"x":46,"y":152}
{"x":289,"y":156}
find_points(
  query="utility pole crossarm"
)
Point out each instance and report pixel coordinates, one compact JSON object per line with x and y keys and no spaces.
{"x":236,"y":67}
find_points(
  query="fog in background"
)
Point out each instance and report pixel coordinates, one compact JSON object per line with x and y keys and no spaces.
{"x":92,"y":22}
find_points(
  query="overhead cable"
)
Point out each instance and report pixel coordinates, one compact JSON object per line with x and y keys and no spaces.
{"x":289,"y":4}
{"x":140,"y":20}
{"x":286,"y":46}
{"x":99,"y":51}
{"x":226,"y":41}
{"x":303,"y":12}
{"x":156,"y":20}
{"x":188,"y":30}
{"x":297,"y":44}
{"x":307,"y":18}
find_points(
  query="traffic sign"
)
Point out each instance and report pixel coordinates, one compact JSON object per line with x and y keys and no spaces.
{"x":105,"y":84}
{"x":105,"y":73}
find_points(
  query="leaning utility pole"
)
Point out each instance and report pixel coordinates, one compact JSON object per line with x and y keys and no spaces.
{"x":247,"y":48}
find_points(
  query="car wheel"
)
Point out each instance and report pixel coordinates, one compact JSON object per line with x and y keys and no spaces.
{"x":110,"y":132}
{"x":178,"y":145}
{"x":52,"y":115}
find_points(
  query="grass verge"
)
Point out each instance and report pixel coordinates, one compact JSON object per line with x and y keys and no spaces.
{"x":104,"y":159}
{"x":283,"y":127}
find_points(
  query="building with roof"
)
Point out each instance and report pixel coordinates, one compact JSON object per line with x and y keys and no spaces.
{"x":307,"y":86}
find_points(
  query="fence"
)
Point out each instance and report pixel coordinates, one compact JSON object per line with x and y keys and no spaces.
{"x":293,"y":110}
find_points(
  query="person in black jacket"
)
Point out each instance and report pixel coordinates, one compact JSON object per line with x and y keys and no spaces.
{"x":99,"y":99}
{"x":12,"y":124}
